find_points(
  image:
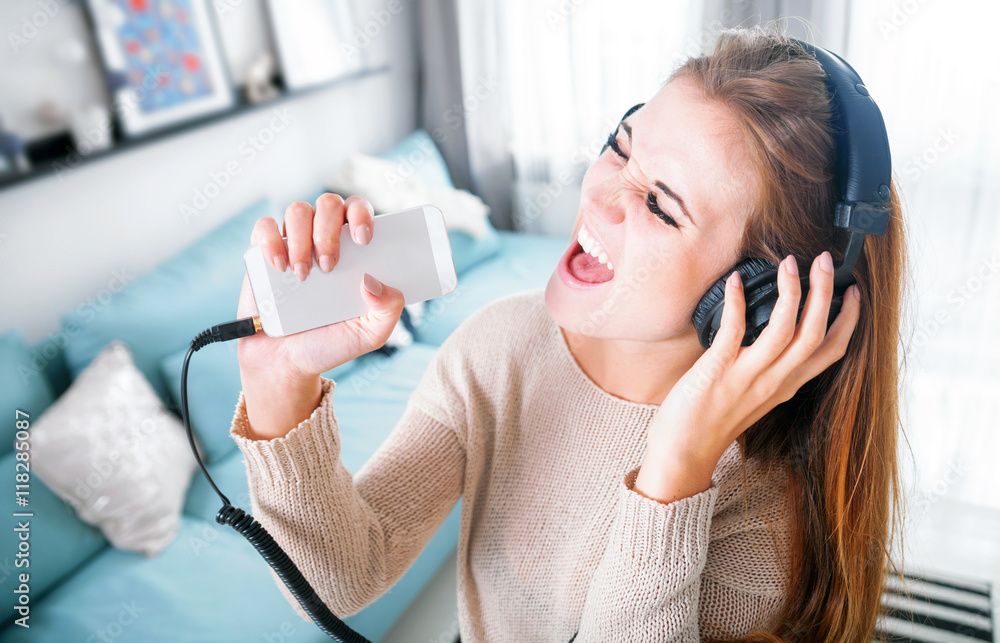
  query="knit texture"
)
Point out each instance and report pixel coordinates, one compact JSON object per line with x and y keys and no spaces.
{"x":553,"y":538}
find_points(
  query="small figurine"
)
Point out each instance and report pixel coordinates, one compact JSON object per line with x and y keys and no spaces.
{"x":259,"y":87}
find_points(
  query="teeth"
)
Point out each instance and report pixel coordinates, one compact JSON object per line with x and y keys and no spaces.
{"x":593,"y":248}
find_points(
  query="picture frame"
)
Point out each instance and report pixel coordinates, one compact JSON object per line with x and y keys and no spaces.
{"x":163,"y":60}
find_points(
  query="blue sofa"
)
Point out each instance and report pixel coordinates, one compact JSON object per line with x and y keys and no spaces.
{"x":209,"y":584}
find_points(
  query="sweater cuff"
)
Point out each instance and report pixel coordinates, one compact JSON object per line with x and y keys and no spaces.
{"x":309,"y":446}
{"x":657,"y":535}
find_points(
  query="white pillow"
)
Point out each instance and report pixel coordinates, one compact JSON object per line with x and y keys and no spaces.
{"x":391,"y":186}
{"x":111,"y":449}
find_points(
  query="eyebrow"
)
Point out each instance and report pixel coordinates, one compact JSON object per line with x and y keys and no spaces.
{"x":660,"y":184}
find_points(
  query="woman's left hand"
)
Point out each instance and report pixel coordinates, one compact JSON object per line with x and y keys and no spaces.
{"x":731,"y":386}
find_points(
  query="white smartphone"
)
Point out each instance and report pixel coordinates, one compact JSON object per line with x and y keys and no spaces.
{"x":409,"y":250}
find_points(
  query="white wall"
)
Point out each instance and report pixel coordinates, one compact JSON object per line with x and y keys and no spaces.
{"x":63,"y":238}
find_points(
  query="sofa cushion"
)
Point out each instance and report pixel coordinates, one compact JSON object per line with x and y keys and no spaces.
{"x":23,"y":384}
{"x":160,"y":312}
{"x":208,"y":585}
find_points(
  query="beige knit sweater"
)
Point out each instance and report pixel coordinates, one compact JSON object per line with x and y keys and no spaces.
{"x":553,"y":538}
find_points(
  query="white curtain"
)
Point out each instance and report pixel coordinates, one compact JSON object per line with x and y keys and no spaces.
{"x":932,"y":68}
{"x":556,"y":76}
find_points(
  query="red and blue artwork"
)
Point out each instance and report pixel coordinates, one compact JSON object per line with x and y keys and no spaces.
{"x":164,"y":55}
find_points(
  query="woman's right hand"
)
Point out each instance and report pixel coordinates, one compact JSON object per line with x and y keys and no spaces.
{"x":304,"y":356}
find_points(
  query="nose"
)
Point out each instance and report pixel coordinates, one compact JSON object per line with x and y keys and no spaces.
{"x":605,"y":199}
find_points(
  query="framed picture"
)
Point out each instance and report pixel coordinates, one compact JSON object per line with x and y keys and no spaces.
{"x":313,"y":40}
{"x":163,"y":59}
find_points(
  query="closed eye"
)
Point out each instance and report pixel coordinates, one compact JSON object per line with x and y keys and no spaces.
{"x":654,"y":207}
{"x":651,"y":203}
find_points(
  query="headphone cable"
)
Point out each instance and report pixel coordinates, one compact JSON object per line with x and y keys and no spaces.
{"x":243,"y":522}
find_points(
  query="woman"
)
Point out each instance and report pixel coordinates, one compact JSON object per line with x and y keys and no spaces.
{"x":619,"y":482}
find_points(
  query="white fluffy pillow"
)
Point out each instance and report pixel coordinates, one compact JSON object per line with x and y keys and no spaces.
{"x":109,"y":448}
{"x":391,"y":186}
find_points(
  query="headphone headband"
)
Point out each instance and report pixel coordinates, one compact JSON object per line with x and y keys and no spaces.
{"x":863,"y":167}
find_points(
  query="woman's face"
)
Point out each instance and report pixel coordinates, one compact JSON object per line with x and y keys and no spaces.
{"x":676,"y":148}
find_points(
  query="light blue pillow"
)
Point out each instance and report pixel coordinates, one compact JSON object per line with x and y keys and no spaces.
{"x":23,"y":384}
{"x":160,"y":312}
{"x":419,"y":152}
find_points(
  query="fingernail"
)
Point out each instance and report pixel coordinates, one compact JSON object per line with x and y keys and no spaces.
{"x":280,"y":263}
{"x":791,"y":265}
{"x":734,"y":279}
{"x":856,"y":292}
{"x":372,"y":285}
{"x":826,"y":261}
{"x":301,"y":270}
{"x":326,"y":263}
{"x":364,"y":234}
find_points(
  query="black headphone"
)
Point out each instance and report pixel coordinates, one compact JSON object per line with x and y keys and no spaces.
{"x":862,"y":172}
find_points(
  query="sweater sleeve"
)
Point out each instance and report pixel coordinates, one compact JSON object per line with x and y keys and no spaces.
{"x":657,"y":580}
{"x":352,"y":538}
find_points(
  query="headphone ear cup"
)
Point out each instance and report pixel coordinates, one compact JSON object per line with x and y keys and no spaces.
{"x":760,"y":298}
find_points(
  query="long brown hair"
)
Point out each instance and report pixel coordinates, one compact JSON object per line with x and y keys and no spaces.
{"x":840,"y":452}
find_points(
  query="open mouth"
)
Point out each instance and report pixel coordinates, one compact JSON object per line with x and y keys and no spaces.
{"x":585,"y":267}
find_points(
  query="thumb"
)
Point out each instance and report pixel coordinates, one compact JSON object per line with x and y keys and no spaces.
{"x":385,"y":306}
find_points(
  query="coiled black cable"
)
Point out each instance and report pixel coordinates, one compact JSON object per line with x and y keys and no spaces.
{"x":243,"y":522}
